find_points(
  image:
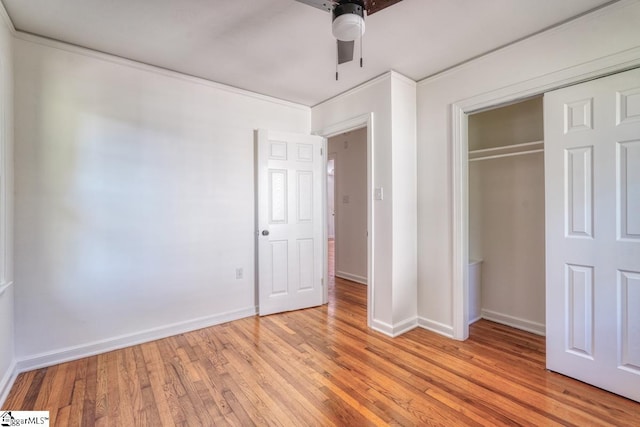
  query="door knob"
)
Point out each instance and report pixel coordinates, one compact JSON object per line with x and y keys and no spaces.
{"x":265,"y":232}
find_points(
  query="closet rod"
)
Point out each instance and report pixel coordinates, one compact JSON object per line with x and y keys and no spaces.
{"x":498,"y":156}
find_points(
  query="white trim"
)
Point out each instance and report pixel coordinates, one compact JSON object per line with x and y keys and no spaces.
{"x":55,"y":44}
{"x":596,"y":14}
{"x":515,"y":322}
{"x":437,"y":327}
{"x":98,"y":347}
{"x":500,"y":156}
{"x":382,"y":327}
{"x":352,"y":277}
{"x":394,"y":330}
{"x":513,"y":148}
{"x":590,"y":70}
{"x":7,"y":19}
{"x":325,"y":223}
{"x":472,"y":321}
{"x":374,"y":81}
{"x":402,"y":78}
{"x":404,"y":326}
{"x":460,"y":166}
{"x":346,"y":126}
{"x":6,"y":383}
{"x":460,"y":232}
{"x":4,"y":287}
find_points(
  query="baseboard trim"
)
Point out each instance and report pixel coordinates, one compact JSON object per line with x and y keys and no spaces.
{"x":474,"y":320}
{"x":405,"y":326}
{"x":514,"y":322}
{"x":437,"y":327}
{"x":98,"y":347}
{"x":7,"y":382}
{"x":394,"y":330}
{"x":352,"y":277}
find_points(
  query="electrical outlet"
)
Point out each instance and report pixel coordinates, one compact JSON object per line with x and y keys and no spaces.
{"x":239,"y":273}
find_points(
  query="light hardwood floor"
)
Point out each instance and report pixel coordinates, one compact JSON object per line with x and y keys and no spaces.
{"x":320,"y":366}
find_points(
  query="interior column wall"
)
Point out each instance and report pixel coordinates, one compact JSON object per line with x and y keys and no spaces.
{"x":391,"y":99}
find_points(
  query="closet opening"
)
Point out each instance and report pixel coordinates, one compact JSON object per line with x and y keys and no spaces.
{"x":506,"y":202}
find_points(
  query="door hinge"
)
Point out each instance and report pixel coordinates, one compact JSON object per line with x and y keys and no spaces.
{"x":320,"y":151}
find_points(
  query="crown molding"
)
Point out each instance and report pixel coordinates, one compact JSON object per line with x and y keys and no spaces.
{"x":558,"y":28}
{"x":372,"y":82}
{"x":6,"y":19}
{"x":102,"y":56}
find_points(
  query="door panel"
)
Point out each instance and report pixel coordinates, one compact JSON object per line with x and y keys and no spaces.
{"x":629,"y":190}
{"x":290,"y":221}
{"x":592,"y":179}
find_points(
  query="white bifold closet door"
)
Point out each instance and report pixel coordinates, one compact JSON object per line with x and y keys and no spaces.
{"x":592,"y":180}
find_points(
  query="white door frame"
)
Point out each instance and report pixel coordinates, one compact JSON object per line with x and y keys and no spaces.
{"x":460,"y":165}
{"x":332,"y":156}
{"x":364,"y":120}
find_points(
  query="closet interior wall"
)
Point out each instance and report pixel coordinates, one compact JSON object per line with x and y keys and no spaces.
{"x":506,"y":214}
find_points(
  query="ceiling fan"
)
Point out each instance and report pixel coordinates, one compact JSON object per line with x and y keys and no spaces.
{"x":348,"y":22}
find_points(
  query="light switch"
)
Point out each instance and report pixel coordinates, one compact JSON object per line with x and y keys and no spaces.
{"x":378,"y":193}
{"x":345,"y":199}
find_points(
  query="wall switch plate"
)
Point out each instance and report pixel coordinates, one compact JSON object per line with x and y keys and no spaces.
{"x":345,"y":199}
{"x":378,"y":194}
{"x":239,"y":273}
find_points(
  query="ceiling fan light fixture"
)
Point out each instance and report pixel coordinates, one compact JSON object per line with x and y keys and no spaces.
{"x":348,"y":22}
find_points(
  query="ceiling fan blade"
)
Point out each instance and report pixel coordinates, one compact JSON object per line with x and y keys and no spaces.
{"x":373,"y":6}
{"x":326,"y":5}
{"x":345,"y":51}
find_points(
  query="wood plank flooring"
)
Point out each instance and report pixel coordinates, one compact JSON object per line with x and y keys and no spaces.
{"x":320,"y":366}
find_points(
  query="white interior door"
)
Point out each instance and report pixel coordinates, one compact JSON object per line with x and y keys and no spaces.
{"x":592,"y":179}
{"x":290,"y":221}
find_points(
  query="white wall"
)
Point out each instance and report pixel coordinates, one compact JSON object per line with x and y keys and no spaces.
{"x":391,"y":99}
{"x":135,"y":200}
{"x":517,"y":123}
{"x":511,"y":208}
{"x":350,"y":150}
{"x":613,"y":30}
{"x":6,"y":208}
{"x":405,"y":210}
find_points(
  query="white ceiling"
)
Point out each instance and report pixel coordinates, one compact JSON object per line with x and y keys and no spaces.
{"x":284,"y":48}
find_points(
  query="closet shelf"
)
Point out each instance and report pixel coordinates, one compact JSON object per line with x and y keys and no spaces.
{"x":506,"y":151}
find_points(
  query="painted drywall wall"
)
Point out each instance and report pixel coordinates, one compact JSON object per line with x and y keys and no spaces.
{"x":613,"y":30}
{"x":134,"y":199}
{"x":391,"y":290}
{"x":6,"y":210}
{"x":506,"y":215}
{"x":350,"y":151}
{"x":517,"y":123}
{"x":405,"y":210}
{"x":511,"y":206}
